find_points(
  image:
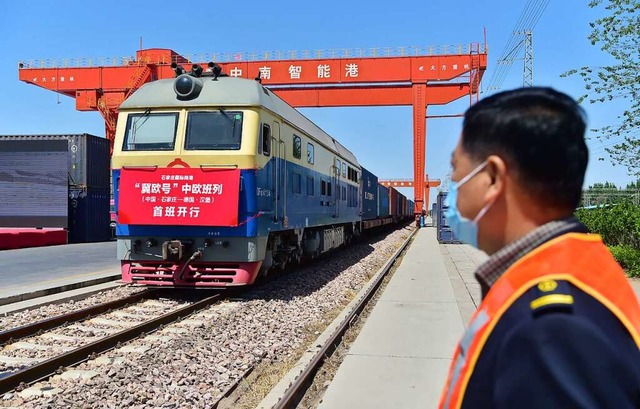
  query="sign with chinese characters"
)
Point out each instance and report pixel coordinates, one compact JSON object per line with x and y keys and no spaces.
{"x":351,"y":70}
{"x":53,"y":79}
{"x":283,"y":71}
{"x":179,"y":196}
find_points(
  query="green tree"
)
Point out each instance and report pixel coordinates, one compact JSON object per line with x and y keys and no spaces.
{"x":618,"y":34}
{"x":634,"y":185}
{"x":608,"y":193}
{"x":600,"y":193}
{"x":633,"y":190}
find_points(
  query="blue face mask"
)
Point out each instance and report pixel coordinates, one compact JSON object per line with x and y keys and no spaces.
{"x":464,"y":229}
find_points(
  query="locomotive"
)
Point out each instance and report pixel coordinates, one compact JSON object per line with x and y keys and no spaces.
{"x":216,"y":180}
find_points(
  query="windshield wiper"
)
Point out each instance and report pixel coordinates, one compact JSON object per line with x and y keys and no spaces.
{"x":145,"y":114}
{"x":226,"y":115}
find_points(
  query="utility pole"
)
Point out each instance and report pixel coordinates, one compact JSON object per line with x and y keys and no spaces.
{"x":521,"y":37}
{"x":527,"y":76}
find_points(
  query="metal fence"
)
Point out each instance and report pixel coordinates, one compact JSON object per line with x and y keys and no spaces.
{"x":608,"y":196}
{"x":376,"y":52}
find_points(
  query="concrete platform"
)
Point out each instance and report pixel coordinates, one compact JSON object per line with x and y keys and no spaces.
{"x":401,"y":357}
{"x":55,"y":295}
{"x":35,"y":272}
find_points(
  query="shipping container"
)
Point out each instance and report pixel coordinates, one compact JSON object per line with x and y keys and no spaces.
{"x":400,"y":210}
{"x":88,"y":157}
{"x":383,"y":201}
{"x":446,"y":236}
{"x":404,"y":207}
{"x":394,"y":197}
{"x":88,"y":215}
{"x":369,"y":199}
{"x":441,"y":206}
{"x":444,"y":233}
{"x":33,"y":182}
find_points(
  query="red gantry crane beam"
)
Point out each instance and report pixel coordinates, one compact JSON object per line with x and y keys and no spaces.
{"x":429,"y":183}
{"x":420,"y":79}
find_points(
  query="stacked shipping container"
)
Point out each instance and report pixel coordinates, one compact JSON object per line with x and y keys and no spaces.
{"x":89,"y":191}
{"x":444,"y":233}
{"x":88,"y":183}
{"x":88,"y":215}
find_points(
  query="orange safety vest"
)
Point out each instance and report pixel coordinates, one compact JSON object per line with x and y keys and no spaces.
{"x":581,"y":259}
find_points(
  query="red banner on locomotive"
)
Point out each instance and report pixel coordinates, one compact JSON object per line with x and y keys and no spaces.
{"x":179,"y":196}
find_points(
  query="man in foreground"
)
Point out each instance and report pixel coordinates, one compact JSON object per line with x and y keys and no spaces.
{"x":559,"y":324}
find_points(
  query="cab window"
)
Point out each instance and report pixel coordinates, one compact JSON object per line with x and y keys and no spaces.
{"x":297,"y":147}
{"x":150,"y":132}
{"x":310,"y":154}
{"x":216,"y":130}
{"x":265,"y":144}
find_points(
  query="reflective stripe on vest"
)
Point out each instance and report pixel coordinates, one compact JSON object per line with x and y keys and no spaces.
{"x":478,"y":322}
{"x":581,"y":259}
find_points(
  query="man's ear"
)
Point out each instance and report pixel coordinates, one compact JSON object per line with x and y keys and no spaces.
{"x":497,"y":172}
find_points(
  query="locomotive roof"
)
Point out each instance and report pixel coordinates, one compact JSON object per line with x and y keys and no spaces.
{"x":232,"y":92}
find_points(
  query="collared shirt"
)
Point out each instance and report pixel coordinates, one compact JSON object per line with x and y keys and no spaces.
{"x":490,"y":271}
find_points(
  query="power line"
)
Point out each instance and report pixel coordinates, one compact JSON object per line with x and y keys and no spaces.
{"x":610,"y":143}
{"x":527,"y":21}
{"x":615,"y":140}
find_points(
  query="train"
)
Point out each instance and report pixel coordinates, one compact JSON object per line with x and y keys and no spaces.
{"x":217,"y":181}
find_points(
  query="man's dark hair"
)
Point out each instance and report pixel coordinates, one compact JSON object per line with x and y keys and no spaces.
{"x":539,"y":133}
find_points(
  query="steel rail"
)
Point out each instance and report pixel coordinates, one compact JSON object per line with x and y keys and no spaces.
{"x":74,"y":316}
{"x":43,"y":369}
{"x":296,"y":390}
{"x":233,"y":387}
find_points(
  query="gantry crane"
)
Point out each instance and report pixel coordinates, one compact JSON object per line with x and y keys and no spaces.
{"x":414,"y":76}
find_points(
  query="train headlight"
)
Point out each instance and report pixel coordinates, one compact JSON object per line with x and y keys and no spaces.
{"x":196,"y":70}
{"x":187,"y":87}
{"x":178,"y":69}
{"x":214,"y":69}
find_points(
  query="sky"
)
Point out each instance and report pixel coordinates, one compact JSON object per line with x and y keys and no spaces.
{"x":380,"y":137}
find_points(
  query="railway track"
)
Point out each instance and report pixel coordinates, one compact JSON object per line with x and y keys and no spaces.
{"x":199,"y":361}
{"x":292,"y":388}
{"x":297,"y":389}
{"x":74,"y":316}
{"x":16,"y":371}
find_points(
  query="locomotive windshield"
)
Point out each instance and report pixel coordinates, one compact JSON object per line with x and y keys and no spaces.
{"x":217,"y":130}
{"x":150,"y":132}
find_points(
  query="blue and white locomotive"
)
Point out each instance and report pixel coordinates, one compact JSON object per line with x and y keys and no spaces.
{"x":217,"y":179}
